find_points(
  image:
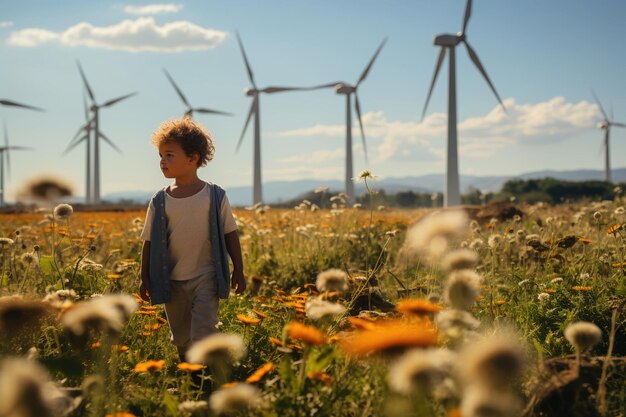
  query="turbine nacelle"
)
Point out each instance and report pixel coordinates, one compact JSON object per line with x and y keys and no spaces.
{"x":448,"y":39}
{"x":345,"y":89}
{"x":250,"y":92}
{"x":603,"y":125}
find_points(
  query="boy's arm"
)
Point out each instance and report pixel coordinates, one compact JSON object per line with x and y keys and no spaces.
{"x":238,"y":281}
{"x":144,"y":289}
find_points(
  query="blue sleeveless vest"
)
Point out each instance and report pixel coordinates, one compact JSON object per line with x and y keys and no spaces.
{"x":159,"y":270}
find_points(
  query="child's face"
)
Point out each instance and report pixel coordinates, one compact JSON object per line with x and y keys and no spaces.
{"x":174,"y":162}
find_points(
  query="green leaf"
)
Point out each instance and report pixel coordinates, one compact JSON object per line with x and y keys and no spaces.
{"x":46,"y":262}
{"x":170,"y":403}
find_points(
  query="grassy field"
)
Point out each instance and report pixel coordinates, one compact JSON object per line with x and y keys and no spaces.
{"x":349,"y":312}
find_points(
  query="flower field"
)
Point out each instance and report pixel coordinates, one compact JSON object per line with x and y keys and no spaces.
{"x":348,"y":312}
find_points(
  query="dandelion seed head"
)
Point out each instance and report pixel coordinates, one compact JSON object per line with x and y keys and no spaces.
{"x":217,"y":348}
{"x":63,"y":211}
{"x":28,"y":391}
{"x":5,"y":241}
{"x":494,"y":240}
{"x":124,"y":303}
{"x":459,"y":259}
{"x":18,"y":314}
{"x":430,"y":236}
{"x":583,"y":335}
{"x":544,"y":296}
{"x":461,"y":289}
{"x":481,"y":402}
{"x":238,"y":398}
{"x":332,"y":280}
{"x":28,"y":257}
{"x":189,"y":408}
{"x":453,"y":321}
{"x":92,"y":315}
{"x":420,"y":371}
{"x":317,"y":308}
{"x":495,"y":361}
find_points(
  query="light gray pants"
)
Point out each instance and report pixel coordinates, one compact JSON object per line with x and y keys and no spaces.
{"x":192,"y":310}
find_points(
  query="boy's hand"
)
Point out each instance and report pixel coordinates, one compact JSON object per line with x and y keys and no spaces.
{"x":238,"y":282}
{"x":144,"y":292}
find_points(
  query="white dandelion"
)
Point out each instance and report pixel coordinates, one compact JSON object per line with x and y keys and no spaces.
{"x":238,"y":398}
{"x":332,"y":280}
{"x":316,"y":308}
{"x":216,"y":349}
{"x":461,"y":289}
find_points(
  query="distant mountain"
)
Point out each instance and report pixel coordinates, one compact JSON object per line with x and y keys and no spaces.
{"x":279,"y":191}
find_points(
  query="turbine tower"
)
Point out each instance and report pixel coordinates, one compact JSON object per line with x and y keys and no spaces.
{"x":348,"y":90}
{"x":448,"y":42}
{"x":94,"y":198}
{"x":190,"y":110}
{"x":4,"y":152}
{"x":605,"y":125}
{"x":255,"y":92}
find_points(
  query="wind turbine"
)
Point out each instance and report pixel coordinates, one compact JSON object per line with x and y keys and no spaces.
{"x":348,"y":90}
{"x":254,"y":92}
{"x":448,"y":42}
{"x":190,"y":109}
{"x":4,"y":151}
{"x":86,"y":130}
{"x":97,"y":135}
{"x":605,"y":125}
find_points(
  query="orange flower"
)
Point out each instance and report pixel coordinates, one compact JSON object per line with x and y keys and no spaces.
{"x":584,"y":240}
{"x":161,"y":320}
{"x":260,"y":373}
{"x":258,"y":313}
{"x":149,"y":308}
{"x":145,"y":334}
{"x":148,"y":366}
{"x":114,"y":276}
{"x":275,"y":341}
{"x":230,"y":384}
{"x":248,"y":319}
{"x":500,"y":302}
{"x":361,"y":324}
{"x":614,"y":229}
{"x":581,"y":288}
{"x":417,"y":306}
{"x":145,"y":312}
{"x":307,"y":334}
{"x":390,"y":336}
{"x":189,"y":367}
{"x":549,"y":291}
{"x":155,"y":326}
{"x":333,"y":339}
{"x":95,"y":345}
{"x":90,"y":236}
{"x":321,"y":376}
{"x":118,"y":348}
{"x":617,"y":265}
{"x":121,"y":415}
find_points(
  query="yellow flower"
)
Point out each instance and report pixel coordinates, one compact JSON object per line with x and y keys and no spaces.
{"x":148,"y":366}
{"x":417,"y":306}
{"x":114,"y":276}
{"x":581,"y":288}
{"x":389,"y":336}
{"x":248,"y":319}
{"x":261,"y":372}
{"x":189,"y":367}
{"x":307,"y":334}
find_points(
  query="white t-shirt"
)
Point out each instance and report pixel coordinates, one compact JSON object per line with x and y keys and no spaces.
{"x":189,"y":249}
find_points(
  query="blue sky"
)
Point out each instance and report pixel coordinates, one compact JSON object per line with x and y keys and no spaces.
{"x":544,"y":57}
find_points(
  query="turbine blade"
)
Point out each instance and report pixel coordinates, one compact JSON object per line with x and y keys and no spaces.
{"x":270,"y":90}
{"x":245,"y":59}
{"x":82,"y":75}
{"x":442,"y":55}
{"x":250,"y":113}
{"x":476,"y":61}
{"x":618,"y":124}
{"x":205,"y":110}
{"x":600,"y":105}
{"x":15,"y":104}
{"x":468,"y":13}
{"x":20,"y":148}
{"x":73,"y":145}
{"x":357,"y":106}
{"x":86,"y":106}
{"x":107,"y":140}
{"x":117,"y":100}
{"x":180,"y":93}
{"x":369,"y":66}
{"x":329,"y":85}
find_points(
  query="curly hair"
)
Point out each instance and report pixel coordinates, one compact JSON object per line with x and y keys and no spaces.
{"x":191,"y":136}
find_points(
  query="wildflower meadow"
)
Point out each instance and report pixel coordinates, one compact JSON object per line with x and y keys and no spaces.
{"x":349,"y":311}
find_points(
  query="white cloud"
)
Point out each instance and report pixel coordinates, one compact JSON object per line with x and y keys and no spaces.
{"x":153,"y":8}
{"x":142,"y":34}
{"x":6,"y":24}
{"x":323,"y":156}
{"x":480,"y":137}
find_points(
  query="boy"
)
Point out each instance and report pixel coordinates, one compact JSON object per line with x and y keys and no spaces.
{"x":188,"y":234}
